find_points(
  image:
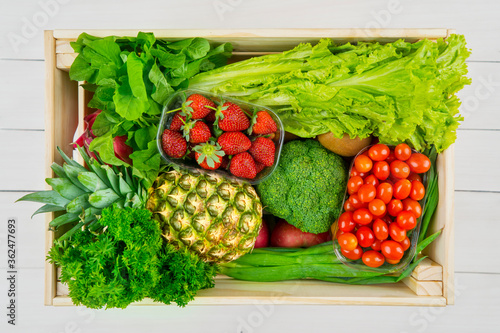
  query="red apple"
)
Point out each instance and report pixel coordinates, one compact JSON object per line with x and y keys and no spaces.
{"x":263,"y":237}
{"x":287,"y":235}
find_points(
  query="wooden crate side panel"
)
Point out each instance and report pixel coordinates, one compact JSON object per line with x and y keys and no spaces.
{"x":271,"y":39}
{"x":229,"y":291}
{"x":61,"y":120}
{"x":50,"y":274}
{"x":442,"y":249}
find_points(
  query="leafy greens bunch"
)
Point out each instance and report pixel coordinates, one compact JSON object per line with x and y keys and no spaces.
{"x":399,"y":92}
{"x":131,"y":79}
{"x":128,"y":261}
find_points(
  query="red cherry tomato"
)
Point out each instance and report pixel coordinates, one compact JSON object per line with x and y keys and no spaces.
{"x":417,"y":190}
{"x":362,"y":216}
{"x":400,"y":169}
{"x":346,"y":223}
{"x":363,"y":163}
{"x":380,"y":229}
{"x":348,"y":241}
{"x":394,"y":207}
{"x":355,"y":254}
{"x":353,"y":184}
{"x":339,"y":232}
{"x":392,"y":262}
{"x":391,"y":157}
{"x":381,"y":170}
{"x":392,"y":250}
{"x":378,"y":152}
{"x":406,"y":220}
{"x":348,"y":206}
{"x":396,"y":232}
{"x":402,"y":189}
{"x":365,"y":237}
{"x":419,"y":163}
{"x":373,"y":259}
{"x":377,"y":245}
{"x":355,"y":172}
{"x":405,"y":243}
{"x":355,"y":202}
{"x":371,"y":179}
{"x":414,"y":176}
{"x":384,"y":192}
{"x":377,"y":207}
{"x":387,"y":219}
{"x":413,"y":206}
{"x":367,"y":193}
{"x":402,"y":152}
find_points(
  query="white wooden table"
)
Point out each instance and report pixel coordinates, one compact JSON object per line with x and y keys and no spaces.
{"x":477,"y":219}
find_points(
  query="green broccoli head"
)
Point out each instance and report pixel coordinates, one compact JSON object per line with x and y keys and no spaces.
{"x":307,"y":187}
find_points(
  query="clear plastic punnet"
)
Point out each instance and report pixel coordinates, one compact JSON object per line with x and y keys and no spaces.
{"x":413,"y":234}
{"x":175,"y":102}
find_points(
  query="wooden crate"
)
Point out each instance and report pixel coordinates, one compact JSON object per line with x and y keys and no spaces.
{"x":431,"y":283}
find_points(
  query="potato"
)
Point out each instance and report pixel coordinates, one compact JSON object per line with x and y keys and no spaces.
{"x":344,"y":146}
{"x":287,"y":235}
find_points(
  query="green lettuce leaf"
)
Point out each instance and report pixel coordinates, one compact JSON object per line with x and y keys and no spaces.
{"x":399,"y":92}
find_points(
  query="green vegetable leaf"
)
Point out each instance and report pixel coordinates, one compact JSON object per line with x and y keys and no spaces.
{"x":162,"y":89}
{"x":104,"y":146}
{"x":148,"y":159}
{"x":135,"y":68}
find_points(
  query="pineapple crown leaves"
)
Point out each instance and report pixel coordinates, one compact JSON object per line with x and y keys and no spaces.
{"x":210,"y":151}
{"x":83,"y":192}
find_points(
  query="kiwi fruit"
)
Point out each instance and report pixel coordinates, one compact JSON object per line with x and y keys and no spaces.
{"x":344,"y":146}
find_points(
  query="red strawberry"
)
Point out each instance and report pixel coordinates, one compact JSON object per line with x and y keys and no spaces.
{"x":177,"y":122}
{"x":263,"y":123}
{"x":234,"y":142}
{"x":208,"y":155}
{"x":262,"y":150}
{"x":242,"y":165}
{"x":210,"y":118}
{"x":199,"y":133}
{"x":225,"y":162}
{"x":198,"y":104}
{"x":259,"y":166}
{"x":191,"y":151}
{"x":230,"y":118}
{"x":173,"y":143}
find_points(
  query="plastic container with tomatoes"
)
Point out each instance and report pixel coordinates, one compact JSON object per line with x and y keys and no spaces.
{"x":383,"y":203}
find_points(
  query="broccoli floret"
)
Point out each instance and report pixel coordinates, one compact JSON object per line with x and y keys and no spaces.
{"x":307,"y":187}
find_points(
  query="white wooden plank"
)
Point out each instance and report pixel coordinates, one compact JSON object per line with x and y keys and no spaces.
{"x":30,"y":232}
{"x":476,"y":160}
{"x":481,"y":99}
{"x":476,"y":230}
{"x":22,"y":161}
{"x":21,"y":94}
{"x":476,"y":307}
{"x":23,"y":22}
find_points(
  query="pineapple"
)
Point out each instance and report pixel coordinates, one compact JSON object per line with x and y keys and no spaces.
{"x":216,"y":218}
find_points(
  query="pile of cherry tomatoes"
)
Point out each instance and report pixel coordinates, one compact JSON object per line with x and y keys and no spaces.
{"x":384,"y":190}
